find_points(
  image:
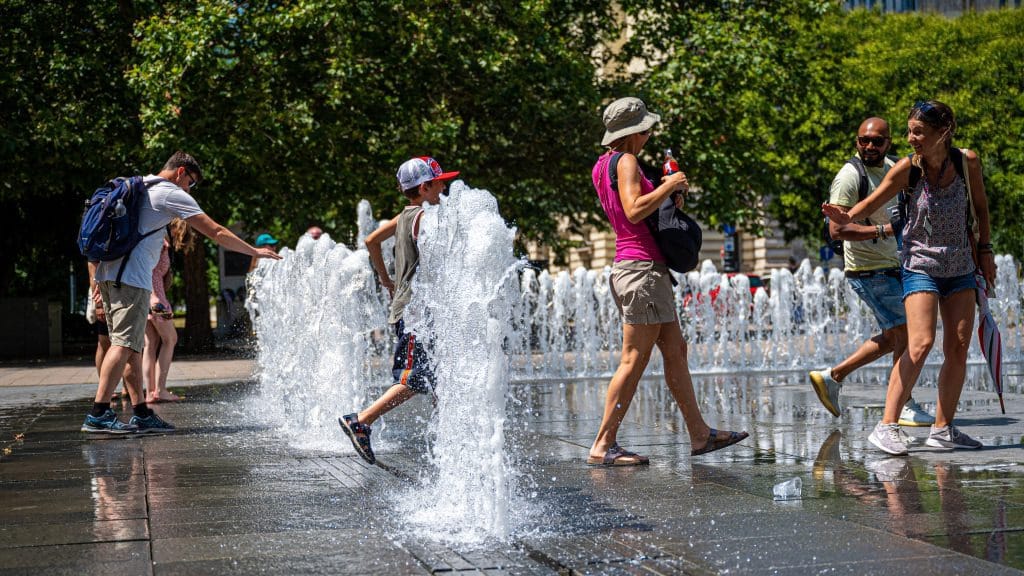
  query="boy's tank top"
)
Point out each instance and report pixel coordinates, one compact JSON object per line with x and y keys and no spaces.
{"x":407,"y":257}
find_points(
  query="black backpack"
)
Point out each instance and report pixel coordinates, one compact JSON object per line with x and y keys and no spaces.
{"x":862,"y":193}
{"x":678,"y":236}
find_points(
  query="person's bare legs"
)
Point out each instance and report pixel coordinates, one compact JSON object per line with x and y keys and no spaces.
{"x":102,"y":345}
{"x":922,"y":315}
{"x":149,"y":360}
{"x":120,"y":361}
{"x":957,"y":329}
{"x":891,"y":340}
{"x":394,"y":397}
{"x":637,"y":343}
{"x":168,"y":338}
{"x":680,"y":384}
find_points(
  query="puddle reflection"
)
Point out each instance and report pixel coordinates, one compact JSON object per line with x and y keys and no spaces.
{"x":117,"y":487}
{"x":912,"y":491}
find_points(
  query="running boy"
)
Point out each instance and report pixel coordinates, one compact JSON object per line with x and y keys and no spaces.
{"x":422,"y":181}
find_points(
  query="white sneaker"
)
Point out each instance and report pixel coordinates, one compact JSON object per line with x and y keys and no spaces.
{"x":913,"y":415}
{"x":827,"y":389}
{"x":951,"y":437}
{"x":886,"y":437}
{"x":907,"y":438}
{"x":889,"y":469}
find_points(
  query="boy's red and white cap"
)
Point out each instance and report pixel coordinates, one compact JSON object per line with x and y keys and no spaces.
{"x":416,"y":171}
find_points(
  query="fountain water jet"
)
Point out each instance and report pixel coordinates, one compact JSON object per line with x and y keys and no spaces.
{"x":323,"y":340}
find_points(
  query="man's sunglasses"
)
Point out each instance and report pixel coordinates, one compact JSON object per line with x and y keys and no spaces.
{"x":878,"y":141}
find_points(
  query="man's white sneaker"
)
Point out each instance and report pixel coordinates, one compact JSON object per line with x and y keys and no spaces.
{"x":827,"y":389}
{"x":951,"y":437}
{"x":913,"y":415}
{"x":886,"y":437}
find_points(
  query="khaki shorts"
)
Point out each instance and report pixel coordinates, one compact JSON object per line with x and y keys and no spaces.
{"x":643,"y":292}
{"x":127,"y":310}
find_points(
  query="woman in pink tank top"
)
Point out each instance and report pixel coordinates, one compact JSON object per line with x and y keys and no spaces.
{"x":940,"y":256}
{"x":642,"y":288}
{"x":161,"y":335}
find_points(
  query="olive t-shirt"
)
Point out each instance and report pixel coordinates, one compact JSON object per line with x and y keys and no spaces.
{"x":865,"y":254}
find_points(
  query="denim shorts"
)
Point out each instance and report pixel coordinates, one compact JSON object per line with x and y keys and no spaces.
{"x":944,"y":287}
{"x":884,"y":295}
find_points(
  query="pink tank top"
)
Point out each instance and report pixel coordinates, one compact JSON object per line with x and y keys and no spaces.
{"x":632,"y":241}
{"x":162,"y":266}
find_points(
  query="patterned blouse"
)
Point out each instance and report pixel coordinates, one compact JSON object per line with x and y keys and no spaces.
{"x":935,"y":240}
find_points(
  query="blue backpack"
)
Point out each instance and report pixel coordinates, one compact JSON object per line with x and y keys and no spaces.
{"x":110,"y":225}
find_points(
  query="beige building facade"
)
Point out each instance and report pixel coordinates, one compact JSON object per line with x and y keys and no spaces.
{"x":758,"y":255}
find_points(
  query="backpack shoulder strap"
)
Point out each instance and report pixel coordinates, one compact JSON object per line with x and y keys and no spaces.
{"x":959,"y":159}
{"x":862,"y":173}
{"x":862,"y":180}
{"x":613,"y":170}
{"x":915,"y":173}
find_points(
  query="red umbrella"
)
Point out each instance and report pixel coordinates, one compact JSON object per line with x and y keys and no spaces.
{"x":989,"y":338}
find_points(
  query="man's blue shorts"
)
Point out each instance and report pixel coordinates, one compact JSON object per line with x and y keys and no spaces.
{"x":412,"y":363}
{"x":882,"y":291}
{"x":944,"y":287}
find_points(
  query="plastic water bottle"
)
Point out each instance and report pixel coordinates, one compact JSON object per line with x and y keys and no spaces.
{"x":119,"y":209}
{"x":789,"y":490}
{"x":670,"y":166}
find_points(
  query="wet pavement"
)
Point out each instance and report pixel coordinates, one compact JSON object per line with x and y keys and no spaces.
{"x":229,"y":494}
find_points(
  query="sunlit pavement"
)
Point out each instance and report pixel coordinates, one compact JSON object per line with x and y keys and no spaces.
{"x":226,"y":494}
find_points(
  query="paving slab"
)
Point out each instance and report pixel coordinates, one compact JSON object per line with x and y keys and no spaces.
{"x":228,"y":494}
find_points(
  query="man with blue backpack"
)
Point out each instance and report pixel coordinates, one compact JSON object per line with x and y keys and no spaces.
{"x":871,"y":267}
{"x":123,"y":230}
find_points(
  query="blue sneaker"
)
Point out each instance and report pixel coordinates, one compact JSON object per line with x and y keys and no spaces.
{"x":107,"y":424}
{"x":152,"y":424}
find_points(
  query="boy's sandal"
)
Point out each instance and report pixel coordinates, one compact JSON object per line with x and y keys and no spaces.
{"x":618,"y":456}
{"x":359,"y":434}
{"x":714,"y":443}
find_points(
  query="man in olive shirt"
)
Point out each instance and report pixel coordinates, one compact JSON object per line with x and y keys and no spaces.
{"x":872,"y":269}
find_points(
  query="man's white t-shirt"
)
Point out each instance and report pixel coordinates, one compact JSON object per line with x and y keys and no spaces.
{"x":164,"y":202}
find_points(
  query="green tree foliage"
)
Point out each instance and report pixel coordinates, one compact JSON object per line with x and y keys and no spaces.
{"x":762,"y":99}
{"x":722,"y":75}
{"x":69,"y":122}
{"x":879,"y":65}
{"x":300,"y":109}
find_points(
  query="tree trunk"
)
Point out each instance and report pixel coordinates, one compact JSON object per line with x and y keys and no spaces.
{"x":197,"y":336}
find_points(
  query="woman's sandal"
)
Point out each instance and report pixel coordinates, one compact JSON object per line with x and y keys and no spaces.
{"x":715,"y":444}
{"x":618,"y":456}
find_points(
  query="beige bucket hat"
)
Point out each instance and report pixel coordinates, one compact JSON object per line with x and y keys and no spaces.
{"x":626,"y":116}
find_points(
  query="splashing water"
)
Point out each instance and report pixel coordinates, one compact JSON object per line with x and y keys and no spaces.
{"x":319,"y":321}
{"x":323,"y":339}
{"x":463,"y":297}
